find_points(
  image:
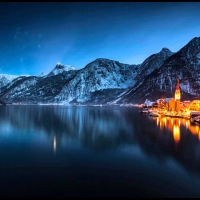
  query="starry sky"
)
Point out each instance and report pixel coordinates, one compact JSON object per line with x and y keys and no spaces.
{"x":35,"y":36}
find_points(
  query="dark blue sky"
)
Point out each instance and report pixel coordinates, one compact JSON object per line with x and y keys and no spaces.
{"x":34,"y":37}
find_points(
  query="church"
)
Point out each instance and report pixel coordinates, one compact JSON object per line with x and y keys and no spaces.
{"x":173,"y":104}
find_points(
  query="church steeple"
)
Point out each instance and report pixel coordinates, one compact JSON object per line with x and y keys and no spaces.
{"x":178,"y":85}
{"x":177,"y":92}
{"x":177,"y":96}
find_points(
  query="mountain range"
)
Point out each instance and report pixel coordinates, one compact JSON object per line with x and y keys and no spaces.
{"x":105,"y":81}
{"x":161,"y":81}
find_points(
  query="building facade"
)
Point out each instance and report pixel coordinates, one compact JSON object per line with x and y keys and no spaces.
{"x":194,"y":105}
{"x":177,"y":97}
{"x":173,"y":104}
{"x":170,"y":104}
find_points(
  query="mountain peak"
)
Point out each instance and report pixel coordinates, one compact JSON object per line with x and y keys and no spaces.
{"x":59,"y":68}
{"x":195,"y":40}
{"x":102,"y":59}
{"x":165,"y":49}
{"x":191,"y":50}
{"x":98,"y":61}
{"x":165,"y":52}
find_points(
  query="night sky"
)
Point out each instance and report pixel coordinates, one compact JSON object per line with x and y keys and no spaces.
{"x":34,"y":37}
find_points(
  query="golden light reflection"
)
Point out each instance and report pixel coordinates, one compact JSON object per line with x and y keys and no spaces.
{"x":176,"y":133}
{"x":194,"y":129}
{"x":186,"y":124}
{"x":174,"y":124}
{"x":54,"y":144}
{"x":199,"y":135}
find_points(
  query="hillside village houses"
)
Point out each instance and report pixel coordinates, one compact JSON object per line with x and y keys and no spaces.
{"x":173,"y":104}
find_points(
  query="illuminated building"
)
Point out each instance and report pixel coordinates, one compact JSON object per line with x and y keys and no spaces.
{"x":170,"y":103}
{"x":177,"y":97}
{"x":194,"y":105}
{"x":173,"y":104}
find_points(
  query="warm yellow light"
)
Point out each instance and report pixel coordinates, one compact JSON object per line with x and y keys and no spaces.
{"x":177,"y":95}
{"x":197,"y":129}
{"x":165,"y":121}
{"x":176,"y":133}
{"x":186,"y":124}
{"x":157,"y":120}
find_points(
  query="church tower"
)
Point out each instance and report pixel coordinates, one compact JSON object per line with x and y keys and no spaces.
{"x":177,"y":97}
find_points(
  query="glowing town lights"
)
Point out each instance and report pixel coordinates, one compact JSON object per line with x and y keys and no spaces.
{"x":176,"y":133}
{"x":54,"y":144}
{"x":174,"y":124}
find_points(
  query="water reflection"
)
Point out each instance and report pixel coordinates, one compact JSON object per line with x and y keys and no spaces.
{"x":54,"y":144}
{"x":174,"y":125}
{"x":176,"y":133}
{"x":186,"y":136}
{"x":95,"y":127}
{"x":100,"y":149}
{"x":101,"y":128}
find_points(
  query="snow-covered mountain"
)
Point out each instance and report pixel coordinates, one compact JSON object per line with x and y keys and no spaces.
{"x":5,"y":79}
{"x":151,"y":63}
{"x":59,"y":68}
{"x":100,"y":78}
{"x":100,"y":81}
{"x":185,"y":65}
{"x":33,"y":89}
{"x":109,"y":81}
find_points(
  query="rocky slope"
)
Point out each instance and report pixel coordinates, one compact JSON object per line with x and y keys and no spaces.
{"x":100,"y":78}
{"x":98,"y":82}
{"x":185,"y":65}
{"x":107,"y":81}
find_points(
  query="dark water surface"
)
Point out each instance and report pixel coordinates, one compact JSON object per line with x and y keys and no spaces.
{"x":62,"y":151}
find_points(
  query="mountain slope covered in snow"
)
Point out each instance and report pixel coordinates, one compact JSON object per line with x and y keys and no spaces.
{"x":5,"y":79}
{"x":108,"y":81}
{"x":97,"y":80}
{"x":184,"y":64}
{"x":97,"y":77}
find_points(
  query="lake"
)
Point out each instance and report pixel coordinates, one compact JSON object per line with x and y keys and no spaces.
{"x":88,"y":151}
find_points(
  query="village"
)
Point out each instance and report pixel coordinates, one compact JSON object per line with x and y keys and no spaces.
{"x":173,"y":107}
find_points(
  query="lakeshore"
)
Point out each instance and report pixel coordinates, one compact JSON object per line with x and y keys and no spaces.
{"x":186,"y":114}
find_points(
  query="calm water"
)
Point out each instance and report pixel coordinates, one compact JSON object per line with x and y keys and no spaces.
{"x":60,"y":151}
